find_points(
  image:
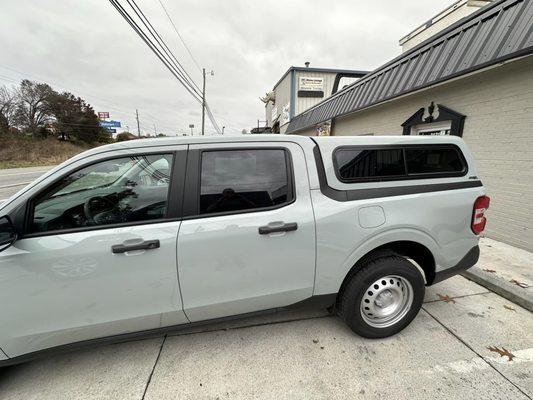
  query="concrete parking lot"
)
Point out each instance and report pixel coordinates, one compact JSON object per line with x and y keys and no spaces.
{"x":450,"y":351}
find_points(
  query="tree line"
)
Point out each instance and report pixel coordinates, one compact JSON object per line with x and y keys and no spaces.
{"x":35,"y":109}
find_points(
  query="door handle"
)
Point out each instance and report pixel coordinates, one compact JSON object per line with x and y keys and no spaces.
{"x":288,"y":227}
{"x":146,"y":245}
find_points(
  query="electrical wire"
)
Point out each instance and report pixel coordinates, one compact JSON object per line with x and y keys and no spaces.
{"x":165,"y":55}
{"x":179,"y":35}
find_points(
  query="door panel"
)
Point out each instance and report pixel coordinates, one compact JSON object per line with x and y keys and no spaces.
{"x":226,"y":267}
{"x":71,"y":287}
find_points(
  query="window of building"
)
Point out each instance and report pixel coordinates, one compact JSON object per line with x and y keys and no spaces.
{"x":115,"y":191}
{"x":236,"y":180}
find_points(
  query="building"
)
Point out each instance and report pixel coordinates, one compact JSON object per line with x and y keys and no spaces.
{"x":472,"y":79}
{"x":300,"y":88}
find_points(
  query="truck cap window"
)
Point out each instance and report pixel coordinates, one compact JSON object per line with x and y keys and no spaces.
{"x":354,"y":164}
{"x":433,"y":161}
{"x":233,"y":180}
{"x":363,"y":163}
{"x":115,"y":191}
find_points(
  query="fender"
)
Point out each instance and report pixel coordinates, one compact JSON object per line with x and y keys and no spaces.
{"x":329,"y":279}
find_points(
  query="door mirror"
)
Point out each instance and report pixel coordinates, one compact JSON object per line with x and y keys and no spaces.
{"x":7,"y":233}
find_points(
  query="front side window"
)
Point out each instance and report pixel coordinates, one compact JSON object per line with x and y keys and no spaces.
{"x":235,"y":180}
{"x":120,"y":190}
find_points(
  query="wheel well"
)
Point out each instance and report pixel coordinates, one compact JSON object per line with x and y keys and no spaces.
{"x":417,"y":252}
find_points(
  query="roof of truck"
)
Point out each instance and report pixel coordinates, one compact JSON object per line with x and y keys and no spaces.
{"x":395,"y":138}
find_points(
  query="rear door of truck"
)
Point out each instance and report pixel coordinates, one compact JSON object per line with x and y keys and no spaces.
{"x":247,"y":241}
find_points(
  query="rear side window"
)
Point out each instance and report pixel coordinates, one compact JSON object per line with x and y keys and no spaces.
{"x":354,"y":164}
{"x":237,"y":180}
{"x":433,"y":161}
{"x":361,"y":163}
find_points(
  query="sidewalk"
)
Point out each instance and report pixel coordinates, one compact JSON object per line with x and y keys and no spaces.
{"x":505,"y":270}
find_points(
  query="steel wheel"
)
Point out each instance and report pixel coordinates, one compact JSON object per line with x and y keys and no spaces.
{"x":386,"y":301}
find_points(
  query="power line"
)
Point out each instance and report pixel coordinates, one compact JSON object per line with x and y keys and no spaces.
{"x":179,"y":35}
{"x":153,"y":47}
{"x":165,"y":55}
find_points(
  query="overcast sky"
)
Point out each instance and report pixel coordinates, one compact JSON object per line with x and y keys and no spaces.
{"x":86,"y":47}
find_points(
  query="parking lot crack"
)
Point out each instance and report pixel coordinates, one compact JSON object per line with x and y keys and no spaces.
{"x":476,"y":353}
{"x":153,"y":368}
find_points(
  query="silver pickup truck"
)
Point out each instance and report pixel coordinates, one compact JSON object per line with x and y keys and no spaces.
{"x":147,"y":236}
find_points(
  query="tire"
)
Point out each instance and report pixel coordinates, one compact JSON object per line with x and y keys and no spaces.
{"x":382,"y":297}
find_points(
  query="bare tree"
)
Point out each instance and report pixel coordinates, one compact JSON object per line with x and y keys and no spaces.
{"x":33,"y":112}
{"x":8,"y":108}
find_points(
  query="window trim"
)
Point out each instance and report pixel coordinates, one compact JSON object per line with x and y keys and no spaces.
{"x":174,"y":195}
{"x":192,"y":188}
{"x":407,"y":176}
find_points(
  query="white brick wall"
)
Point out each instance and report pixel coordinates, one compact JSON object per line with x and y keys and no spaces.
{"x":498,"y":129}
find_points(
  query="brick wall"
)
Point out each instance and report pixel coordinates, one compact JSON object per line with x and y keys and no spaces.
{"x":498,"y":129}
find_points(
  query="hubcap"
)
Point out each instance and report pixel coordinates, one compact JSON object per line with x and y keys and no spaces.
{"x":386,"y":301}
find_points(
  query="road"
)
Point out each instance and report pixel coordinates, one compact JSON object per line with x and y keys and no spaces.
{"x":443,"y":354}
{"x":14,"y":179}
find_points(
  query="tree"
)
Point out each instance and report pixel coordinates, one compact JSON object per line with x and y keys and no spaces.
{"x":75,"y":119}
{"x":32,"y":111}
{"x":123,"y":136}
{"x":8,"y":106}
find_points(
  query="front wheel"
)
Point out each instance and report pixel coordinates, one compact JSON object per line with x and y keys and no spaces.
{"x":382,"y":297}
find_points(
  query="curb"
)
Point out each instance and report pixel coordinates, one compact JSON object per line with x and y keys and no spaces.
{"x":511,"y":292}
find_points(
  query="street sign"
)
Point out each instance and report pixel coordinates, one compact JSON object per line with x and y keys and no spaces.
{"x":103,"y":114}
{"x":110,"y":124}
{"x":111,"y":130}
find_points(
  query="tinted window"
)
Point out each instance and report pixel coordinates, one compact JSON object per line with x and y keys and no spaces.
{"x":242,"y":180}
{"x":433,"y":160}
{"x":361,"y":163}
{"x":115,"y":191}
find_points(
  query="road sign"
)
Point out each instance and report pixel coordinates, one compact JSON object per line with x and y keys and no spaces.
{"x":111,"y":130}
{"x":110,"y":124}
{"x":103,"y":114}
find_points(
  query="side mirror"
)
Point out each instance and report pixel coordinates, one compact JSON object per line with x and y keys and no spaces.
{"x":8,"y":235}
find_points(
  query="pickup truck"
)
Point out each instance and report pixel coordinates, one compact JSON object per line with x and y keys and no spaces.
{"x":144,"y":237}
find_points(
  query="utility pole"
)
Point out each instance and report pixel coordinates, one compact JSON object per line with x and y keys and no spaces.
{"x":138,"y":126}
{"x":223,"y":129}
{"x":203,"y":102}
{"x":155,"y":130}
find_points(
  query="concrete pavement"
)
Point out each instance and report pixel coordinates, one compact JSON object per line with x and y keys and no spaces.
{"x":14,"y":179}
{"x":443,"y":354}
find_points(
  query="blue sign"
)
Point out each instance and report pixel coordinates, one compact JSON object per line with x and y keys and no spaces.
{"x":111,"y":130}
{"x":110,"y":124}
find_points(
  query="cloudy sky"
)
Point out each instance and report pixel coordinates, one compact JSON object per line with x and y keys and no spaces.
{"x":86,"y":47}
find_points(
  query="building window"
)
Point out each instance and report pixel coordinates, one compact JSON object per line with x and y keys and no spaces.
{"x":435,"y":120}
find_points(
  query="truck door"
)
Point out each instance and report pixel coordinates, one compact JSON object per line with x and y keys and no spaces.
{"x":247,"y":241}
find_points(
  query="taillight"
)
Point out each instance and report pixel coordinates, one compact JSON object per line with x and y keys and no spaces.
{"x":478,"y":214}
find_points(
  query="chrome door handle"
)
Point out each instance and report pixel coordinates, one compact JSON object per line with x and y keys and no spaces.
{"x":288,"y":227}
{"x":146,"y":245}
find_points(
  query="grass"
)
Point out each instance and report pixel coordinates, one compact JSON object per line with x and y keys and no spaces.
{"x":23,"y":151}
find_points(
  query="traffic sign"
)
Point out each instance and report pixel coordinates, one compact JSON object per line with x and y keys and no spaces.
{"x":103,"y":114}
{"x":111,"y":130}
{"x":110,"y":124}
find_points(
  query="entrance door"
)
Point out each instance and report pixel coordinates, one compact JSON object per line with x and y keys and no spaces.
{"x":248,"y":242}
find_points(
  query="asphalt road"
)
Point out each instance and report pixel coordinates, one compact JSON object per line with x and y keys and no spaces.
{"x":443,"y":354}
{"x":14,"y":179}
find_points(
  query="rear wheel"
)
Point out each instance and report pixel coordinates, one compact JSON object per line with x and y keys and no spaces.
{"x":382,"y":297}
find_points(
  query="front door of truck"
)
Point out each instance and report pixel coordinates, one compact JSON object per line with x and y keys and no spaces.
{"x":99,"y":257}
{"x":247,"y":241}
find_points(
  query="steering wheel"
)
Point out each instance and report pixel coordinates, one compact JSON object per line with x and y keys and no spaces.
{"x":87,"y":207}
